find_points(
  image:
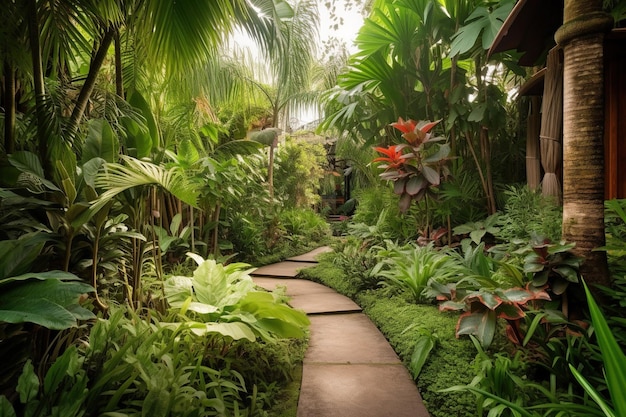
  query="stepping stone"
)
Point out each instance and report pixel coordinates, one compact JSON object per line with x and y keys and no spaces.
{"x":311,"y":256}
{"x":358,"y":391}
{"x":294,"y":286}
{"x":324,"y":303}
{"x":285,"y":269}
{"x":348,"y":339}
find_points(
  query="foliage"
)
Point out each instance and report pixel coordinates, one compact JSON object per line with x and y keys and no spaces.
{"x":304,"y":224}
{"x":222,"y":299}
{"x":134,"y":366}
{"x":49,"y":299}
{"x":614,"y":364}
{"x":483,"y":24}
{"x":482,"y":309}
{"x":408,"y":268}
{"x":615,"y":221}
{"x":298,"y":173}
{"x":502,"y":388}
{"x":377,"y":211}
{"x":528,"y":213}
{"x":502,"y":376}
{"x":552,"y":265}
{"x":480,"y":230}
{"x":458,"y":199}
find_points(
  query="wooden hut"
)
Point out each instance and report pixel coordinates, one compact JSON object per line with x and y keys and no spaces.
{"x":530,"y":29}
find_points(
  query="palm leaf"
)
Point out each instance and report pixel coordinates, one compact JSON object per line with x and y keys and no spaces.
{"x":612,"y":356}
{"x":237,"y":147}
{"x":117,"y":178}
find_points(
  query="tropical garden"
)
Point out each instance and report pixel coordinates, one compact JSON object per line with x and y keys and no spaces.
{"x":149,"y":161}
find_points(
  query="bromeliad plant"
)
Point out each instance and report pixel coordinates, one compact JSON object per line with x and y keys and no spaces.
{"x":416,"y":166}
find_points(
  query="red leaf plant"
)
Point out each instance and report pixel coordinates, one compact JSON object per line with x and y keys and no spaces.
{"x":417,"y":165}
{"x":393,"y":157}
{"x":482,"y":308}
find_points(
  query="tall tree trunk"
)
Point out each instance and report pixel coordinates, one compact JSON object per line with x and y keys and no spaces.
{"x":582,"y":36}
{"x":90,"y":81}
{"x":38,"y":81}
{"x":485,"y":151}
{"x":119,"y":85}
{"x":9,"y":107}
{"x":484,"y":141}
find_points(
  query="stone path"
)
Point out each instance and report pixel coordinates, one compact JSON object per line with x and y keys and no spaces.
{"x":349,"y":368}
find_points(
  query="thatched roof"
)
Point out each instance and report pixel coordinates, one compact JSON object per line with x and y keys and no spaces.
{"x":530,"y":29}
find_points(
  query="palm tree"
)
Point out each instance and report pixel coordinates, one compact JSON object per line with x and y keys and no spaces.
{"x":166,"y":36}
{"x":284,"y":75}
{"x":582,"y":37}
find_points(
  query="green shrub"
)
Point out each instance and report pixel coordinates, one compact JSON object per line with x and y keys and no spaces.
{"x":408,"y":268}
{"x":297,"y":173}
{"x":304,"y":224}
{"x":346,"y":269}
{"x":261,"y":239}
{"x":528,"y":213}
{"x":133,"y":366}
{"x":378,"y":206}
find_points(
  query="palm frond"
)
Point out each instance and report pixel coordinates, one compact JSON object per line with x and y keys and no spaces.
{"x":182,"y":34}
{"x":116,"y":178}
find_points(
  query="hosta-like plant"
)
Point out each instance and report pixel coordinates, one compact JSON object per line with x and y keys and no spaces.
{"x":49,"y":298}
{"x":223,"y":299}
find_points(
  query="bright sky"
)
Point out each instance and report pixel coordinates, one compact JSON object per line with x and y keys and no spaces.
{"x":348,"y":25}
{"x":344,"y":27}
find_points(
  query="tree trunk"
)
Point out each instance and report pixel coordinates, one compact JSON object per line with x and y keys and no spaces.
{"x":90,"y":81}
{"x":485,"y":151}
{"x":119,"y":85}
{"x":9,"y":107}
{"x":582,"y":36}
{"x":38,"y":82}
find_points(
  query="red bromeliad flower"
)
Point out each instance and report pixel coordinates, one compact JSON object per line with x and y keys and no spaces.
{"x":393,"y":157}
{"x":412,"y":132}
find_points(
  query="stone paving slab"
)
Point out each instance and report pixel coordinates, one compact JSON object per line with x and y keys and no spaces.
{"x":294,"y":286}
{"x":348,"y":338}
{"x":286,"y":269}
{"x":324,"y":303}
{"x":311,"y":256}
{"x":358,"y":391}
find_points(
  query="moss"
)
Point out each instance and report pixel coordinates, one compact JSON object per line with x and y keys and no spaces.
{"x":332,"y":276}
{"x":286,"y":400}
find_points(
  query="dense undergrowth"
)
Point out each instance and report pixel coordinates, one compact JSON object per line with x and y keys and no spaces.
{"x":495,"y":322}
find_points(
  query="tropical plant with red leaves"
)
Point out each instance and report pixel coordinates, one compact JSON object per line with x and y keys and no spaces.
{"x":393,"y":157}
{"x":416,"y":166}
{"x":483,"y":307}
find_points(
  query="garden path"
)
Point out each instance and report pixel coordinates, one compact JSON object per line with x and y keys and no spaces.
{"x":349,"y":368}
